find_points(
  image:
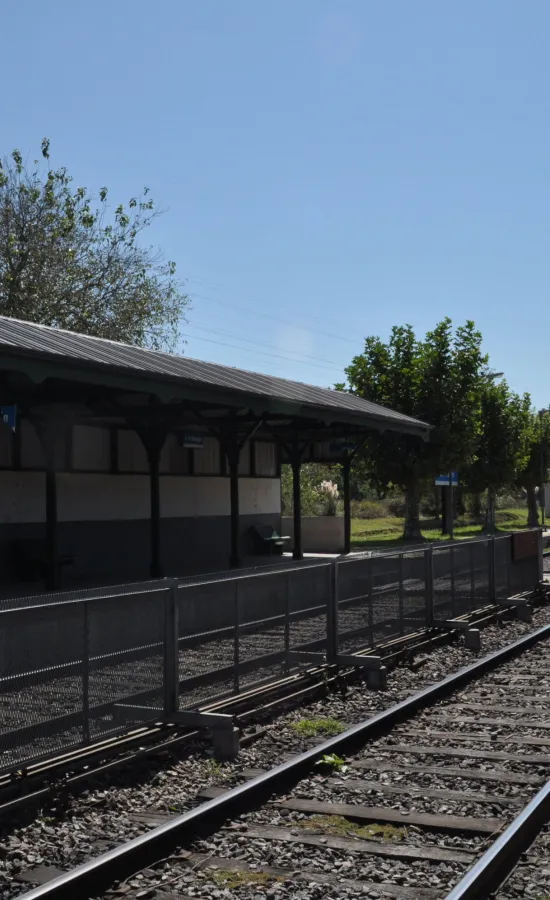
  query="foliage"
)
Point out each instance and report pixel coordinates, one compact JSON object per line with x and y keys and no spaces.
{"x":437,"y":380}
{"x":342,"y":827}
{"x":68,"y":260}
{"x":332,"y":761}
{"x":502,"y":445}
{"x":534,"y":469}
{"x":367,"y":509}
{"x":311,"y":477}
{"x":329,"y":492}
{"x":232,"y":879}
{"x":314,"y":727}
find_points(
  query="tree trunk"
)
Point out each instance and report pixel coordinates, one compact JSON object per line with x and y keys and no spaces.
{"x":490,"y":524}
{"x":478,"y":518}
{"x":412,"y":531}
{"x":532,"y":508}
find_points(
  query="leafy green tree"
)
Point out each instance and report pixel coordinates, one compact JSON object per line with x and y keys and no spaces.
{"x":438,"y":380}
{"x":67,"y":260}
{"x":536,"y":462}
{"x":311,"y":477}
{"x":503,"y":443}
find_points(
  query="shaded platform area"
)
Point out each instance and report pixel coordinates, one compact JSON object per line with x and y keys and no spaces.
{"x":120,"y":462}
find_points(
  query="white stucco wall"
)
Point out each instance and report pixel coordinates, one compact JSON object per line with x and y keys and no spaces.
{"x":99,"y":497}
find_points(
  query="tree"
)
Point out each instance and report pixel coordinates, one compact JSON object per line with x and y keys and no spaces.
{"x":312,"y":476}
{"x":503,"y":443}
{"x":437,"y":380}
{"x":66,"y":260}
{"x":536,"y":463}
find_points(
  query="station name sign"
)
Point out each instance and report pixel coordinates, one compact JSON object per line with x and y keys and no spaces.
{"x":8,"y":415}
{"x":196,"y":441}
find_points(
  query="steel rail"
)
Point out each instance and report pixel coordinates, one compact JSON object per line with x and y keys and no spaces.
{"x":98,"y":874}
{"x":489,"y":873}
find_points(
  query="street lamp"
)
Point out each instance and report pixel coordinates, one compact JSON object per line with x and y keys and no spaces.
{"x":542,"y":500}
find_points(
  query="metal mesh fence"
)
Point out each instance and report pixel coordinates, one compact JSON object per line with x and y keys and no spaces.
{"x":66,"y":667}
{"x":502,"y":562}
{"x":353,"y":604}
{"x":480,"y":561}
{"x":125,"y":655}
{"x":414,"y":592}
{"x":444,"y":577}
{"x":207,"y":617}
{"x":41,"y":656}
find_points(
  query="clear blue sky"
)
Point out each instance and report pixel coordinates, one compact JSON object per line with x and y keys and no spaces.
{"x":329,"y":168}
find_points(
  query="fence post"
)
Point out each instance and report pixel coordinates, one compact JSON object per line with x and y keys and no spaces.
{"x":453,"y":586}
{"x":401,"y":620}
{"x":540,"y":551}
{"x":370,"y":609}
{"x":86,"y":676}
{"x":236,"y":639}
{"x":287,"y":622}
{"x":171,"y":650}
{"x":333,"y":642}
{"x":491,"y":569}
{"x":429,"y":581}
{"x":472,"y":576}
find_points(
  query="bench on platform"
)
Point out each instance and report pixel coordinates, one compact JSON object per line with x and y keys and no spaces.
{"x":266,"y":537}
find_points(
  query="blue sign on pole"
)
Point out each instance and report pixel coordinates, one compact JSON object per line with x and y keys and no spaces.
{"x":9,"y":414}
{"x":445,"y":480}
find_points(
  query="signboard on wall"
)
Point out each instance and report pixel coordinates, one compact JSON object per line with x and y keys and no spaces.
{"x":196,"y":441}
{"x":8,"y":415}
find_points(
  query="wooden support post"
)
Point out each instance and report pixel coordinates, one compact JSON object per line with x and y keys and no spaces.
{"x":346,"y":467}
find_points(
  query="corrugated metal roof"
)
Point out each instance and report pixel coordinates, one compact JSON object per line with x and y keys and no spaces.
{"x":42,"y":341}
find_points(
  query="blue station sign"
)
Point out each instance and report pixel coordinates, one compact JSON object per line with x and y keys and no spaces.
{"x":9,"y":415}
{"x":445,"y":480}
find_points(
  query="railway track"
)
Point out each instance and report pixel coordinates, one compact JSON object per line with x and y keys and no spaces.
{"x":437,"y":796}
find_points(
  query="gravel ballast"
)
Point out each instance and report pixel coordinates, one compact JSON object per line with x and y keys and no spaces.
{"x":70,"y":830}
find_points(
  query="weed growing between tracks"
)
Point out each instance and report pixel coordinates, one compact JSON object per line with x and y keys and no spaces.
{"x":342,"y":827}
{"x":232,"y":880}
{"x":309,"y":728}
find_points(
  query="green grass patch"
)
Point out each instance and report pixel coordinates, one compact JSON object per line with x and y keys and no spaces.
{"x":342,"y":827}
{"x":308,"y":728}
{"x":387,"y":531}
{"x":233,"y":879}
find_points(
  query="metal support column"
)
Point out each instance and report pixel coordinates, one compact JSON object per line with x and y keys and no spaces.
{"x":153,"y":453}
{"x":346,"y":467}
{"x":52,"y":573}
{"x":296,"y":462}
{"x":153,"y":438}
{"x":233,"y":460}
{"x":50,"y":431}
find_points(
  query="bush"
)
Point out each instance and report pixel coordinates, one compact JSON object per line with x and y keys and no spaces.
{"x":367,"y":509}
{"x":396,"y":507}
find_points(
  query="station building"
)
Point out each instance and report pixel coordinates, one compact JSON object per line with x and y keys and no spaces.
{"x":122,"y":463}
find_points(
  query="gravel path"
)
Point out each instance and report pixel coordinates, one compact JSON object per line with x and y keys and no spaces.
{"x":70,"y":830}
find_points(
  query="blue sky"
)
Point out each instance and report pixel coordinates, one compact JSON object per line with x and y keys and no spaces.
{"x":328,"y":168}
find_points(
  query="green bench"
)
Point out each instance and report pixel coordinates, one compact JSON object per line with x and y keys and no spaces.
{"x":266,"y":537}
